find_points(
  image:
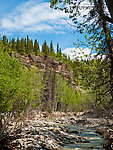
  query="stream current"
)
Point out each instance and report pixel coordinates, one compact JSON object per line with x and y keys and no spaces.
{"x":93,"y":140}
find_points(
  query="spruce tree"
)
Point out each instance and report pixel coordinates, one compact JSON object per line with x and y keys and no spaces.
{"x":57,"y":48}
{"x":36,"y":47}
{"x":51,"y":47}
{"x":13,"y":45}
{"x":31,"y":46}
{"x":22,"y":47}
{"x":45,"y":48}
{"x":5,"y":40}
{"x":25,"y":43}
{"x":28,"y":45}
{"x":60,"y":52}
{"x":18,"y":45}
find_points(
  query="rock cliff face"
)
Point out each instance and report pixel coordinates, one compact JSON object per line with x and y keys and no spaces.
{"x":46,"y":63}
{"x":51,"y":67}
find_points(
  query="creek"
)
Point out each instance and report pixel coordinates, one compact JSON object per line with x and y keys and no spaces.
{"x":92,"y":139}
{"x":60,"y":132}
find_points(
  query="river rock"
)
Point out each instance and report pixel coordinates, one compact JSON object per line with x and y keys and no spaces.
{"x":49,"y":133}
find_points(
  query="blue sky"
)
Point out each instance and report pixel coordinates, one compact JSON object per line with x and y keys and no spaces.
{"x":35,"y":18}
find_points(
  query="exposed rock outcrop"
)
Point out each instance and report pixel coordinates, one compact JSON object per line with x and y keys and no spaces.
{"x":50,"y":67}
{"x":43,"y":62}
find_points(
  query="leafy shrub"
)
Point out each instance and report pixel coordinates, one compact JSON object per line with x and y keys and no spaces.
{"x":71,"y":99}
{"x":19,"y":87}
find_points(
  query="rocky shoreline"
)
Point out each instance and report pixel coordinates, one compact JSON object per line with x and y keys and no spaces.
{"x":55,"y":131}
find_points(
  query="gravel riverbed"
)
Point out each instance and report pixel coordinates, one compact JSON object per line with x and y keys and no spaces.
{"x":60,"y":131}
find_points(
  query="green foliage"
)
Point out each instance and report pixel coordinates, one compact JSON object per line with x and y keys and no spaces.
{"x":94,"y":75}
{"x":13,"y":45}
{"x":31,"y":46}
{"x":18,"y":45}
{"x":45,"y":48}
{"x":99,"y":26}
{"x":69,"y":99}
{"x":4,"y":41}
{"x":22,"y":87}
{"x":51,"y":48}
{"x":19,"y":87}
{"x":22,"y":47}
{"x":25,"y":46}
{"x":28,"y":45}
{"x":57,"y":48}
{"x":36,"y":47}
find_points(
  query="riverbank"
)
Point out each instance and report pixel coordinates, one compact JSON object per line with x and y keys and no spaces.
{"x":58,"y":130}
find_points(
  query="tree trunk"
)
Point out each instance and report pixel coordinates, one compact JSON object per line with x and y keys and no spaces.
{"x":46,"y":89}
{"x":0,"y":128}
{"x":109,"y":4}
{"x":109,"y":42}
{"x":53,"y":92}
{"x":112,"y":75}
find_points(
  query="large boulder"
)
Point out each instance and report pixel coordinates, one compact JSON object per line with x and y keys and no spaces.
{"x":34,"y":58}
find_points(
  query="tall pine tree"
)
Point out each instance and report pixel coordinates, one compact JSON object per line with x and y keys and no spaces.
{"x":22,"y":47}
{"x":31,"y":46}
{"x":51,"y":47}
{"x":58,"y":50}
{"x":57,"y":47}
{"x":13,"y":45}
{"x":18,"y":45}
{"x":36,"y":47}
{"x":45,"y":48}
{"x":4,"y":41}
{"x":25,"y":43}
{"x":28,"y":45}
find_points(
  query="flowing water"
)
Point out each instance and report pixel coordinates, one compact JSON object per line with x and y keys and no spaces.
{"x":94,"y":140}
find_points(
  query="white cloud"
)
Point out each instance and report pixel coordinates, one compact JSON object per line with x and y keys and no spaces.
{"x":35,"y":16}
{"x":81,"y":53}
{"x":77,"y":52}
